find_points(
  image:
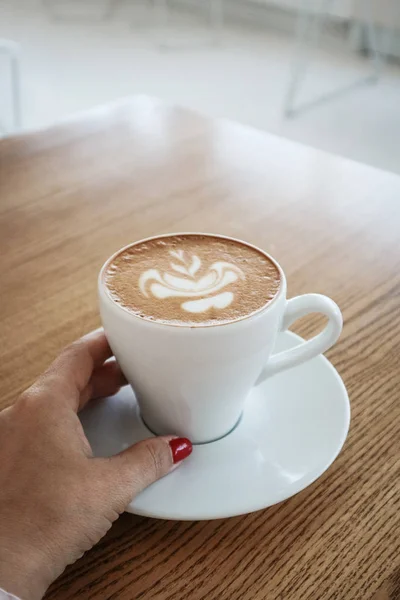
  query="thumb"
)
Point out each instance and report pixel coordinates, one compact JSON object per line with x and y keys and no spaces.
{"x":138,"y":466}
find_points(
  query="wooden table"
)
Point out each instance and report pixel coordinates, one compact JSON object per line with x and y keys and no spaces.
{"x":73,"y":194}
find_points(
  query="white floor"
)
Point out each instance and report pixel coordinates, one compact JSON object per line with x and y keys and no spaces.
{"x":75,"y":64}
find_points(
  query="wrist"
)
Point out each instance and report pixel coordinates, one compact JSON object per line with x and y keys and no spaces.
{"x":23,"y":573}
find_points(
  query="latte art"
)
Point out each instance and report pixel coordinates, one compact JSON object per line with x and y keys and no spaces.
{"x":191,"y":279}
{"x":205,"y":288}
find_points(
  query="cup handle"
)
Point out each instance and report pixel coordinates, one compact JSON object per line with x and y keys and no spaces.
{"x":298,"y":307}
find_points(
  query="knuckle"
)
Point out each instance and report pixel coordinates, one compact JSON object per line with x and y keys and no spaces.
{"x":37,"y":402}
{"x":25,"y":399}
{"x":155,"y":458}
{"x":29,"y":399}
{"x":75,"y":349}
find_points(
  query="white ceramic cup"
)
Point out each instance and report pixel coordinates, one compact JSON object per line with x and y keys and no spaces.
{"x":193,"y":381}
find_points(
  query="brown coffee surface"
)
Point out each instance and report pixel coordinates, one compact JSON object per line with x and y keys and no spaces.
{"x":192,"y":279}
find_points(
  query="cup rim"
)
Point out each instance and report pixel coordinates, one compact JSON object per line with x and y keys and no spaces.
{"x":104,"y":289}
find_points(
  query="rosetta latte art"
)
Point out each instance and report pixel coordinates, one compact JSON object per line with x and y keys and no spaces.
{"x":201,"y":292}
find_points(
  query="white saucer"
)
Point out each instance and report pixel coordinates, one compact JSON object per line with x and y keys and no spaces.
{"x":292,"y":429}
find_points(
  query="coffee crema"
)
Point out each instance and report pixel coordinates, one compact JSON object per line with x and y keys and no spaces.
{"x":192,"y":279}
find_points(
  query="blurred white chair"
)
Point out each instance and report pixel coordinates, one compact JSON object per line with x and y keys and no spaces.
{"x":12,"y":51}
{"x":216,"y":21}
{"x":66,"y":10}
{"x":310,"y":24}
{"x":53,"y":7}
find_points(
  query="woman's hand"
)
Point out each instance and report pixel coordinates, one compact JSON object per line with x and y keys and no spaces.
{"x":56,"y":500}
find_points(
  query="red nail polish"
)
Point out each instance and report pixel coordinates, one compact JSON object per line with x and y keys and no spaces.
{"x":180,"y":448}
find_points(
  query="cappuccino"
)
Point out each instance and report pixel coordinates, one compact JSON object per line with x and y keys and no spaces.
{"x":192,"y":279}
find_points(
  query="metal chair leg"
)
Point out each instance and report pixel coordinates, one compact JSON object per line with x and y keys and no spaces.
{"x":11,"y":49}
{"x":217,"y":17}
{"x":16,"y":92}
{"x":162,"y":12}
{"x":300,"y":64}
{"x":306,"y":21}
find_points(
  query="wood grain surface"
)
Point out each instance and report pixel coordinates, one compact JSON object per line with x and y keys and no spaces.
{"x":73,"y":194}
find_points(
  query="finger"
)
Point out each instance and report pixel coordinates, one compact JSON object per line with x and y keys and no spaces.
{"x":68,"y":376}
{"x":105,"y":381}
{"x":137,"y":467}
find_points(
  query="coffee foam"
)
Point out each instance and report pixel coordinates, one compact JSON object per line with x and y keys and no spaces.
{"x":192,"y":279}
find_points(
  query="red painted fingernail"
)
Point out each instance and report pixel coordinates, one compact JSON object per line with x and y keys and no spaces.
{"x":180,"y":448}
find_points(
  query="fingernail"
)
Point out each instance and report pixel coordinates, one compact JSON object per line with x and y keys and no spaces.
{"x":180,"y":448}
